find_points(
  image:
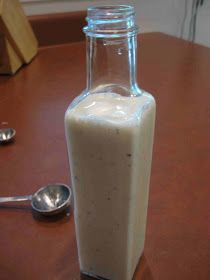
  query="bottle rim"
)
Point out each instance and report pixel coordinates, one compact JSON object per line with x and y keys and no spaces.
{"x":107,"y":11}
{"x":111,"y":21}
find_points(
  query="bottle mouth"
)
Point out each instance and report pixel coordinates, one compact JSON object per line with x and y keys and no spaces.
{"x":110,"y":11}
{"x":111,"y":21}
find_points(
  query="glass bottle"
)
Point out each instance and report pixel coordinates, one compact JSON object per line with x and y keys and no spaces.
{"x":109,"y":133}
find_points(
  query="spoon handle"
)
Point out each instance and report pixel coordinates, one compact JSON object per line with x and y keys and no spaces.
{"x":15,"y":198}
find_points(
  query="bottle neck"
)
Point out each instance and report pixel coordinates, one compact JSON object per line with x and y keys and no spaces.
{"x":111,"y":50}
{"x":111,"y":65}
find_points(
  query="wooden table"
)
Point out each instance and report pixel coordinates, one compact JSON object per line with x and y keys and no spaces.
{"x":34,"y":101}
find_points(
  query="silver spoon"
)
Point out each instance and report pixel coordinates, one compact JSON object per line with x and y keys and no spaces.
{"x":49,"y":200}
{"x":7,"y":135}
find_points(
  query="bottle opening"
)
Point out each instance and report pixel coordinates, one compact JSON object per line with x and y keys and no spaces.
{"x":111,"y":21}
{"x":111,"y":11}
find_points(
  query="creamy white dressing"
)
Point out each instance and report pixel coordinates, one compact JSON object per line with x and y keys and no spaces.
{"x":110,"y":141}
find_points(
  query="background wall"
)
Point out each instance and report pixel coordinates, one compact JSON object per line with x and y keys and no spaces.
{"x":202,"y":35}
{"x":169,"y":16}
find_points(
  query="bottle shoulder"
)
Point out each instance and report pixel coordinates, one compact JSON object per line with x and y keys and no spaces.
{"x":110,"y":107}
{"x":148,"y":96}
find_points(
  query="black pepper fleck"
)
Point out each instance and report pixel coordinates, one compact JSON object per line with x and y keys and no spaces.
{"x":76,"y":178}
{"x":128,"y":155}
{"x":99,"y":158}
{"x":117,"y":131}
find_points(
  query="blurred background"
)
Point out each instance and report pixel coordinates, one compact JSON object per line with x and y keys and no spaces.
{"x":187,"y":19}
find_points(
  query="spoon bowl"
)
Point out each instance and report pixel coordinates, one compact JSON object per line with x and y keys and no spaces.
{"x":7,"y":135}
{"x":51,"y":199}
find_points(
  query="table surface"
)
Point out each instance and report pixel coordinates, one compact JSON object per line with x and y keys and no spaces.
{"x":177,"y":245}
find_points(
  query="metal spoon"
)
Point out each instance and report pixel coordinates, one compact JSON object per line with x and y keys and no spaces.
{"x":7,"y":135}
{"x":49,"y":200}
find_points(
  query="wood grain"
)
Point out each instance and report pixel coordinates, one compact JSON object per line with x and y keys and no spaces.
{"x":16,"y":28}
{"x":9,"y":60}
